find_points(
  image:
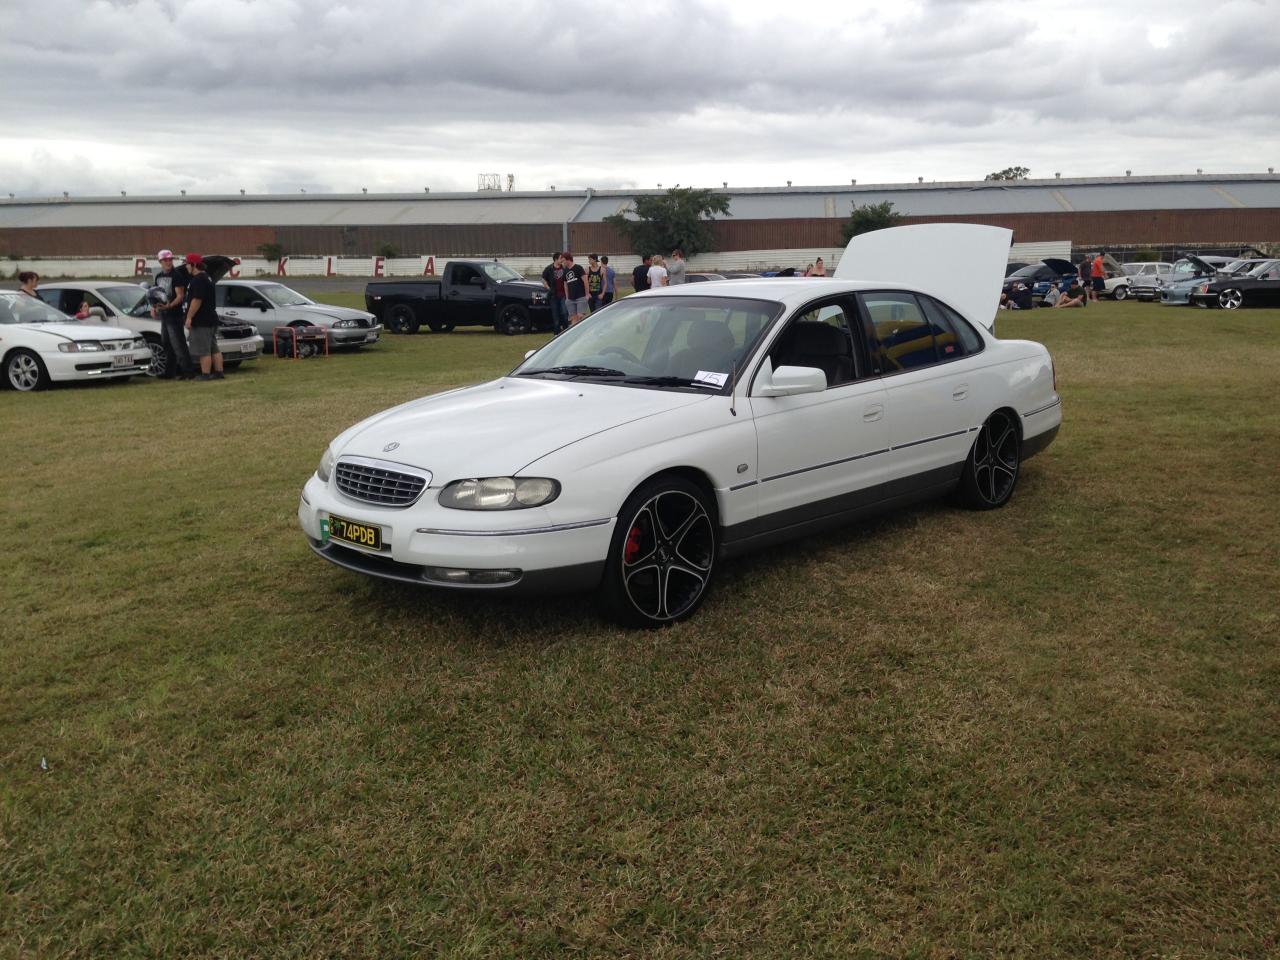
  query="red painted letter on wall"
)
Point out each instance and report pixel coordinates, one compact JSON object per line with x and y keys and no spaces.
{"x":281,"y":267}
{"x":139,"y":266}
{"x":430,"y":269}
{"x":379,"y":263}
{"x":328,"y":267}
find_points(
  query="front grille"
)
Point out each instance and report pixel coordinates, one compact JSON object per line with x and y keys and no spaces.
{"x":235,"y":332}
{"x":387,"y":488}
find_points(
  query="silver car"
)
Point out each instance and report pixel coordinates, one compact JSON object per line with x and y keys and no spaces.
{"x":268,"y":305}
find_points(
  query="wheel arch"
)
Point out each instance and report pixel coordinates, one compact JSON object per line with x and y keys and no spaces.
{"x":694,"y":475}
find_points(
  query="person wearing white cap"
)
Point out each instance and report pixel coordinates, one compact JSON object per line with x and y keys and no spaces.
{"x":174,"y":281}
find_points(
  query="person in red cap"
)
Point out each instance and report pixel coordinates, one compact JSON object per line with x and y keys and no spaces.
{"x":173,"y":335}
{"x":202,"y":320}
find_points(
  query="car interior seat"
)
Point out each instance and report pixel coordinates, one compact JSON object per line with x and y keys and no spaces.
{"x":820,"y":345}
{"x":711,"y":347}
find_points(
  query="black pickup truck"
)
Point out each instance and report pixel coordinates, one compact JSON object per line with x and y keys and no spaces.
{"x":470,"y":293}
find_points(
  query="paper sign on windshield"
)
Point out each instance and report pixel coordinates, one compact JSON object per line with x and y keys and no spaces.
{"x":715,"y":379}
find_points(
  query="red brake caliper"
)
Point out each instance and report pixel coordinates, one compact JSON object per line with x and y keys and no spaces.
{"x":633,"y":545}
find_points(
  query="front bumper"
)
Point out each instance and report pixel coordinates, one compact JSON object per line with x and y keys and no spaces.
{"x":97,"y":365}
{"x":354,"y":336}
{"x":1204,"y":299}
{"x":240,"y":348}
{"x":559,"y":557}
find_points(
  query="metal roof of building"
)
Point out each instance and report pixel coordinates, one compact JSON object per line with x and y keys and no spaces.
{"x":1195,"y":192}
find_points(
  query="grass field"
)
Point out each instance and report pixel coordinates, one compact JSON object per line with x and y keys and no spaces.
{"x":1048,"y":731}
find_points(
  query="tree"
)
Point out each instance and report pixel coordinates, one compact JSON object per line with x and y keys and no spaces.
{"x":872,"y":216}
{"x":1009,"y":173}
{"x":680,"y":218}
{"x":271,"y":251}
{"x":388,"y":250}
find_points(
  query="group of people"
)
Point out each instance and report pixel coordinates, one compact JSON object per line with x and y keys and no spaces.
{"x":574,"y":292}
{"x":188,"y":319}
{"x":654,"y":270}
{"x":1088,"y":284}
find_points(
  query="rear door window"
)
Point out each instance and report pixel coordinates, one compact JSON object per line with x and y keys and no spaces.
{"x":902,"y":335}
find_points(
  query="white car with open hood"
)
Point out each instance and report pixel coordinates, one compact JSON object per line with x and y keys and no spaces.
{"x":39,"y":345}
{"x":686,"y":424}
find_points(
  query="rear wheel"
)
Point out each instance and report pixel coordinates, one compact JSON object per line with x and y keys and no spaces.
{"x":662,"y":555}
{"x":24,"y":371}
{"x":439,"y":326}
{"x":991,"y":471}
{"x":513,"y":319}
{"x":1230,"y":299}
{"x":403,"y":319}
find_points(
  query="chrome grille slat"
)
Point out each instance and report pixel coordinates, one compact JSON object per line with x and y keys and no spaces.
{"x":388,"y":488}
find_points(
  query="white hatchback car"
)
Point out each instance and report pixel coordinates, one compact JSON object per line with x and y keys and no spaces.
{"x":684,"y":424}
{"x":39,"y":345}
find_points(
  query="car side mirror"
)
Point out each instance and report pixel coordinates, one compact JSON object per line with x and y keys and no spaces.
{"x":530,"y":354}
{"x":789,"y":381}
{"x":261,"y":305}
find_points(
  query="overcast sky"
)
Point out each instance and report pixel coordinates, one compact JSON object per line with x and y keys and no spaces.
{"x":397,"y":95}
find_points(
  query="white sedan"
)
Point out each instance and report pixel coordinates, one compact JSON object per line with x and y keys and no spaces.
{"x":40,"y":345}
{"x":683,"y":425}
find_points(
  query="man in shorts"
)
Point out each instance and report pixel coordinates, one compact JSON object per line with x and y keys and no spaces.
{"x":202,"y":320}
{"x":1098,"y":273}
{"x":575,"y":290}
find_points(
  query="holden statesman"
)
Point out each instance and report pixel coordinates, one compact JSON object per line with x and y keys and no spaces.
{"x":680,"y":426}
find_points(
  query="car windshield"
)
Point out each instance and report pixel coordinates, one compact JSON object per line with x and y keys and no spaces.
{"x":1130,"y":268}
{"x":282,"y":296}
{"x":19,"y":308}
{"x":131,"y":301}
{"x":1265,"y":267}
{"x":1185,"y":268}
{"x":500,"y":272}
{"x":673,"y":342}
{"x":1027,"y":272}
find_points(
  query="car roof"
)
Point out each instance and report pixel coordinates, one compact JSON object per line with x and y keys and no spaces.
{"x":789,"y":291}
{"x":88,"y":284}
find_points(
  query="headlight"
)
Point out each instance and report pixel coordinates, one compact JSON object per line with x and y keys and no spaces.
{"x":139,"y":343}
{"x":326,"y":466}
{"x":499,"y":493}
{"x":80,"y":346}
{"x":345,"y":323}
{"x":539,"y":298}
{"x":1204,"y":288}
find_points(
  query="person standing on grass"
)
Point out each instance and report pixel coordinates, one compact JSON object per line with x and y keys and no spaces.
{"x":676,"y":268}
{"x":640,"y":275}
{"x":174,"y":281}
{"x":575,"y":290}
{"x":1098,"y":273}
{"x":610,"y":281}
{"x":595,"y":283}
{"x":553,"y":280}
{"x":657,"y":272}
{"x":202,"y":320}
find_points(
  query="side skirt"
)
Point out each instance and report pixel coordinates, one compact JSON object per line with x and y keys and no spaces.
{"x":836,"y":511}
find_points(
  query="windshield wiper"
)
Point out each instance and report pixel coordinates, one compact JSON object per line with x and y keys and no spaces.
{"x":672,"y":382}
{"x":576,"y":370}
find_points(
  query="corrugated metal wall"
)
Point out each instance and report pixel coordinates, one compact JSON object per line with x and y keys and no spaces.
{"x":1129,"y":227}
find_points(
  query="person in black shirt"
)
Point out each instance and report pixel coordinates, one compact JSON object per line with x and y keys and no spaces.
{"x":575,"y":290}
{"x":553,"y":280}
{"x":202,"y":320}
{"x":173,"y":335}
{"x":640,"y":275}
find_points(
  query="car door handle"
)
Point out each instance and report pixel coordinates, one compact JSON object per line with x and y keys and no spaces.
{"x":873,"y":412}
{"x":231,"y":313}
{"x":960,"y":392}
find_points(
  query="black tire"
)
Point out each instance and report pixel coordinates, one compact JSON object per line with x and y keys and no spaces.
{"x":158,"y":367}
{"x":662,"y":556}
{"x":402,"y":318}
{"x":1231,"y":299}
{"x":991,"y":469}
{"x":25,"y":372}
{"x":230,"y":365}
{"x":439,"y":326}
{"x":1121,"y":292}
{"x":513,"y":319}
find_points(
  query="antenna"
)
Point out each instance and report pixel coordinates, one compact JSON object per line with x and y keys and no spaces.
{"x":488,"y":181}
{"x":733,"y":388}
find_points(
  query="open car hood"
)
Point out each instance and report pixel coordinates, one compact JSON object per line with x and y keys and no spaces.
{"x":966,"y":263}
{"x":1062,"y":267}
{"x":218,"y":267}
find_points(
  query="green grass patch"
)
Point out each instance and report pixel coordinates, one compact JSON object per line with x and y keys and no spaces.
{"x":1050,"y":730}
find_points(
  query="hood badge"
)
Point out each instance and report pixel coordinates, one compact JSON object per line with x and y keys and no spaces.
{"x":390,"y":446}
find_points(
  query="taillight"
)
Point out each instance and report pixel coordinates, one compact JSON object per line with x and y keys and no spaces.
{"x":1054,"y":370}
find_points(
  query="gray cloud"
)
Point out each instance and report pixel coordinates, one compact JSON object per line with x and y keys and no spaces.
{"x":397,"y":95}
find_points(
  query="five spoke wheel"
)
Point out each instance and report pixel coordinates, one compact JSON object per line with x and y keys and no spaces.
{"x":25,"y":372}
{"x":663,"y":554}
{"x":992,"y":467}
{"x":1230,"y":299}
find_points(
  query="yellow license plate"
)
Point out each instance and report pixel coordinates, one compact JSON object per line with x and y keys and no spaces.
{"x":361,"y":534}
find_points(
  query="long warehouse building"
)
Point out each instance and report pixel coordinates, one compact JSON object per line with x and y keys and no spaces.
{"x":1201,"y":210}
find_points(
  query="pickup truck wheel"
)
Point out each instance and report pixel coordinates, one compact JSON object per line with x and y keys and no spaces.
{"x":440,"y":326}
{"x":402,"y":319}
{"x":513,"y":319}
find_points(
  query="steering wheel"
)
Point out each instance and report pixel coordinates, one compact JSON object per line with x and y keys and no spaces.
{"x":620,"y":352}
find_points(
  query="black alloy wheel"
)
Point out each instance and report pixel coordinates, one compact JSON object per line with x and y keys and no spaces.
{"x":159,"y":364}
{"x":440,"y":326}
{"x":1231,"y":299}
{"x":402,"y":319}
{"x":513,"y":319}
{"x":991,"y":470}
{"x":662,"y":556}
{"x":24,"y":372}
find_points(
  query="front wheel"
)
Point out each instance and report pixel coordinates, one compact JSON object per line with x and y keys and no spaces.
{"x":1121,"y":293}
{"x":1230,"y":299}
{"x":440,"y":326}
{"x":159,"y":359}
{"x":24,"y":371}
{"x":662,"y":555}
{"x":513,"y":319}
{"x":402,"y":319}
{"x":991,"y":470}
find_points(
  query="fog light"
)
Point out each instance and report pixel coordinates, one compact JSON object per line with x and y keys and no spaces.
{"x":462,"y":576}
